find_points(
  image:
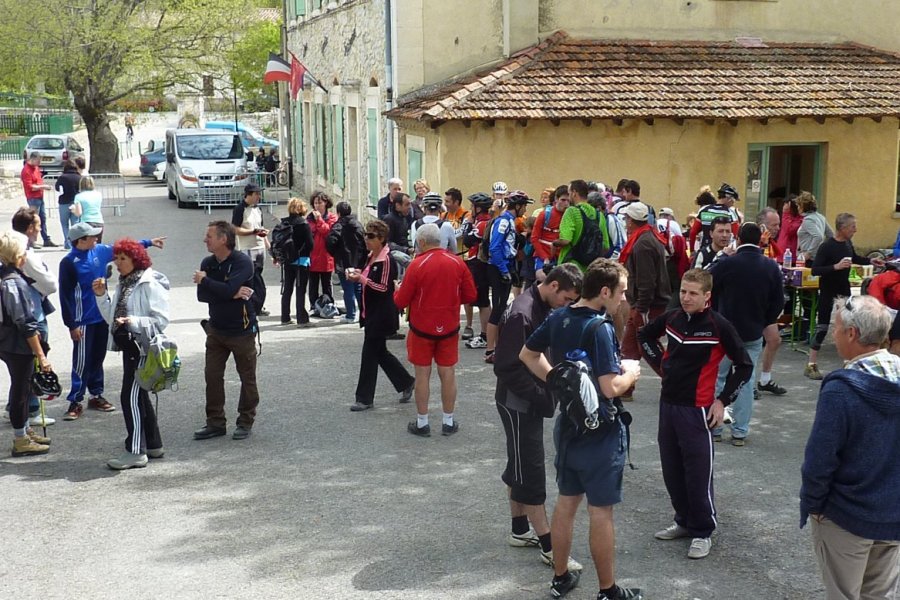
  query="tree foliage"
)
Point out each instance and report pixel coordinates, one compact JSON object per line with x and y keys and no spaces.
{"x":104,"y":50}
{"x":248,"y":61}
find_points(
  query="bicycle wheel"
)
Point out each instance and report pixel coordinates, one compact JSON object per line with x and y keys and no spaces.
{"x":282,"y":178}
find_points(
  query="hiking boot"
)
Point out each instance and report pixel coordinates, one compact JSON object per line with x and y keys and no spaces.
{"x":736,"y":441}
{"x":75,"y":410}
{"x":100,"y":403}
{"x":572,"y":564}
{"x":529,"y":539}
{"x":359,"y":407}
{"x":622,"y":594}
{"x":25,"y":446}
{"x":467,"y":334}
{"x":700,"y":548}
{"x":449,"y":429}
{"x":772,"y":388}
{"x":407,"y":394}
{"x":240,"y":433}
{"x":37,"y":439}
{"x":561,"y":586}
{"x":127,"y":461}
{"x":477,"y":342}
{"x":812,"y":371}
{"x":672,"y":532}
{"x":207,"y":431}
{"x":155,"y":452}
{"x":419,"y":431}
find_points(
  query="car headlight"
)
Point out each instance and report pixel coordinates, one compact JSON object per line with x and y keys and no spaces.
{"x":188,"y":174}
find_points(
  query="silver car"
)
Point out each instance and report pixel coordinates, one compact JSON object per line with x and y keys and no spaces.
{"x":55,"y":150}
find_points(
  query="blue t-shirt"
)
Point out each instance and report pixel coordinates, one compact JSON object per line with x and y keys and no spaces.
{"x":562,"y":332}
{"x":91,"y":201}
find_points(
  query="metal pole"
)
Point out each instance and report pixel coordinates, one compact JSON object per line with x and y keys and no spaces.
{"x":234,"y":89}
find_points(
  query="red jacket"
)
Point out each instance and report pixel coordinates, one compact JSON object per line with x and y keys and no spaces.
{"x":436,"y":284}
{"x":886,"y":288}
{"x":32,"y":176}
{"x":544,"y":234}
{"x":787,"y":237}
{"x":319,"y":259}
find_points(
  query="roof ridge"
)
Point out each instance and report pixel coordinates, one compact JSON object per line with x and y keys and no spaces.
{"x":517,"y":62}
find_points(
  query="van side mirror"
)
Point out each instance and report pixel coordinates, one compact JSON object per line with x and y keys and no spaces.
{"x":170,"y":158}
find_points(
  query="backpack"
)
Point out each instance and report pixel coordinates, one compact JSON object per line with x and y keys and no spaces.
{"x":258,"y":299}
{"x":282,"y":243}
{"x":333,"y":239}
{"x":355,"y":242}
{"x":594,"y":240}
{"x":325,"y":308}
{"x":161,"y":365}
{"x":484,"y":249}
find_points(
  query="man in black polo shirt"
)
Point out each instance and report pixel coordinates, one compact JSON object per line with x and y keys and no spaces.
{"x":523,"y":404}
{"x":223,"y":282}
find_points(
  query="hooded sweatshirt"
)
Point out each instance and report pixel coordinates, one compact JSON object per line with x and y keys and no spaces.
{"x":851,"y":473}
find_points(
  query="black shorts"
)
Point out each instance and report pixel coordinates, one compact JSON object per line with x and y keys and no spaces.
{"x":499,"y":294}
{"x":525,"y":473}
{"x":479,"y":274}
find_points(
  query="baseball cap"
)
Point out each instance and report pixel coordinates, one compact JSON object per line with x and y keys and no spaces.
{"x":666,"y":211}
{"x":81,"y":230}
{"x":251,"y":188}
{"x":637,"y":211}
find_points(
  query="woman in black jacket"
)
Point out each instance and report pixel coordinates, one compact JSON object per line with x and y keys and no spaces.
{"x":350,"y":253}
{"x":296,"y":269}
{"x":379,"y":319}
{"x":68,"y":184}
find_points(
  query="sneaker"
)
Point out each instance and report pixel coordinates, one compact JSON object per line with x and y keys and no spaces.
{"x":50,"y":244}
{"x":736,"y":441}
{"x":155,"y":452}
{"x":407,"y":394}
{"x":449,"y":429}
{"x":240,"y":433}
{"x":37,"y":439}
{"x":489,"y":357}
{"x":572,"y":564}
{"x":772,"y":388}
{"x":359,"y":407}
{"x":127,"y":461}
{"x":812,"y":371}
{"x":100,"y":403}
{"x":562,"y":586}
{"x":755,"y":394}
{"x":468,"y":333}
{"x":728,"y":418}
{"x":700,"y":548}
{"x":529,"y":539}
{"x":419,"y":431}
{"x":288,"y":322}
{"x":305,"y":325}
{"x":25,"y":446}
{"x":476,"y":343}
{"x":622,"y":594}
{"x":672,"y":532}
{"x":75,"y":410}
{"x":37,"y":421}
{"x":263,"y":312}
{"x":347,"y":320}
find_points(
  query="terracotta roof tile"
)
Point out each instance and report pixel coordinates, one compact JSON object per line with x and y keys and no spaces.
{"x":565,"y":78}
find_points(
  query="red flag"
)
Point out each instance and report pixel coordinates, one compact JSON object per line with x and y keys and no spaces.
{"x":297,"y":73}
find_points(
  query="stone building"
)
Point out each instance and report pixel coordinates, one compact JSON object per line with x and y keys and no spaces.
{"x":766,"y":94}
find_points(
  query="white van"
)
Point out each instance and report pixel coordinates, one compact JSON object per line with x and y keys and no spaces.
{"x":205,"y":167}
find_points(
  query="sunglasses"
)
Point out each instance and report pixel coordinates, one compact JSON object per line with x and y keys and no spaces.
{"x":372,"y":236}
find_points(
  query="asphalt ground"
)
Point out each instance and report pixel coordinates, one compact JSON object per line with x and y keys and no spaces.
{"x":323,"y":503}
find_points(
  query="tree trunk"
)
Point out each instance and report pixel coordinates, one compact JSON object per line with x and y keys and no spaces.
{"x":102,"y":142}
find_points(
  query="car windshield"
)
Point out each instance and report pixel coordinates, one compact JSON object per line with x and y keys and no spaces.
{"x":209,"y":147}
{"x":46,"y":144}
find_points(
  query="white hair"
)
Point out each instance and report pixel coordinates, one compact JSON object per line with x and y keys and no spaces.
{"x":11,"y":247}
{"x":868,"y":316}
{"x":395,"y":181}
{"x":428,"y":236}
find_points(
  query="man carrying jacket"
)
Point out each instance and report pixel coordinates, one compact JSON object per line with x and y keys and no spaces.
{"x":436,"y":284}
{"x":546,"y":229}
{"x":523,"y":404}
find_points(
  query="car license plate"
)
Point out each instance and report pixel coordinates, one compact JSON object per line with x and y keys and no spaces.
{"x":47,"y":159}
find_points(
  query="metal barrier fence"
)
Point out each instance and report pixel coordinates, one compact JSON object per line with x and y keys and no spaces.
{"x":110,"y":185}
{"x":222,"y":190}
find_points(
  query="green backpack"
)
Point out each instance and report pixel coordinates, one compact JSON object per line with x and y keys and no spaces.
{"x":161,"y":365}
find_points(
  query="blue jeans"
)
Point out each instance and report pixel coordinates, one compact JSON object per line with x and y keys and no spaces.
{"x":67,"y":219}
{"x":352,"y":295}
{"x":742,"y":408}
{"x":38,"y":205}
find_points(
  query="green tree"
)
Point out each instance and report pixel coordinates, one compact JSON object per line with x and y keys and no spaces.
{"x":104,"y":50}
{"x":247,"y":61}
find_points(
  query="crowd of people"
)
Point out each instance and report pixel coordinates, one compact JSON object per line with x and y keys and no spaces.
{"x":571,"y":296}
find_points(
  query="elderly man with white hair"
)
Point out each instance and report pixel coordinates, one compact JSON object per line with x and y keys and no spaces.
{"x":851,"y":475}
{"x":436,"y":284}
{"x":395,"y":186}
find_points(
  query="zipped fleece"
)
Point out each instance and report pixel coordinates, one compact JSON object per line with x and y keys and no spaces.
{"x":148,"y":308}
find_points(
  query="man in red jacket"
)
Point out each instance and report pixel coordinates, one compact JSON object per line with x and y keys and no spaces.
{"x":436,"y":284}
{"x":34,"y":186}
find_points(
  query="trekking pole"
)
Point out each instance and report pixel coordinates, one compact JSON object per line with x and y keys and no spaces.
{"x":43,"y":415}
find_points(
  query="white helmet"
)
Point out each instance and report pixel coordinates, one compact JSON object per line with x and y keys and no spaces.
{"x":499,"y":187}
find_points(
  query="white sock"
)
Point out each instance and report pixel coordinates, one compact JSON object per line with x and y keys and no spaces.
{"x":421,"y":420}
{"x":765,"y":378}
{"x":448,"y":419}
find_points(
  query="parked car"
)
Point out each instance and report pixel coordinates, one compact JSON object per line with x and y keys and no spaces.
{"x":252,"y":139}
{"x":205,"y":167}
{"x":55,"y":150}
{"x":152,"y":156}
{"x":160,"y":172}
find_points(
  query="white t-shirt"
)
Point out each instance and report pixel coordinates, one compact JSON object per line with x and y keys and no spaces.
{"x":252,"y":220}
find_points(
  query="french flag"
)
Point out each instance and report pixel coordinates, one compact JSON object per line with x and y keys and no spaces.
{"x":277,"y":69}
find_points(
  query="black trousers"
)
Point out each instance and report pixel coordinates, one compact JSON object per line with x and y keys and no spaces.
{"x":315,"y":278}
{"x":686,"y":454}
{"x":499,"y":294}
{"x":140,"y":418}
{"x":294,"y":276}
{"x":376,"y":354}
{"x":20,"y":367}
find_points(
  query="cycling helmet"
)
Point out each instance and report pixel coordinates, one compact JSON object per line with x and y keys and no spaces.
{"x":499,"y":187}
{"x":518,"y":197}
{"x":726,"y":191}
{"x":45,"y":384}
{"x":481,"y":200}
{"x":432,"y":199}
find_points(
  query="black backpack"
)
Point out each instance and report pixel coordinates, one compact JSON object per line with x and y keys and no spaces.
{"x":333,"y":239}
{"x":591,"y":245}
{"x":282,"y":243}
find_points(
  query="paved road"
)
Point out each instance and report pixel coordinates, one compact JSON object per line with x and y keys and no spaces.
{"x":325,"y":503}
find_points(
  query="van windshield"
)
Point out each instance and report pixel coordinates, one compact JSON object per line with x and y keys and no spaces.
{"x":210,"y":147}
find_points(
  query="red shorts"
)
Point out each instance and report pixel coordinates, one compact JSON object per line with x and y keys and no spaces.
{"x":421,"y":351}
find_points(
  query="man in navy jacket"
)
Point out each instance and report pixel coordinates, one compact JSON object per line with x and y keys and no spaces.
{"x":748,"y":290}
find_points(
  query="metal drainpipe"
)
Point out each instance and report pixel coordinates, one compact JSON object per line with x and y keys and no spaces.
{"x":286,"y":145}
{"x":389,"y":76}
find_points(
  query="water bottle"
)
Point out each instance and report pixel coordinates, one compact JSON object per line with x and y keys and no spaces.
{"x":788,"y":259}
{"x":801,"y":260}
{"x":578,"y":355}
